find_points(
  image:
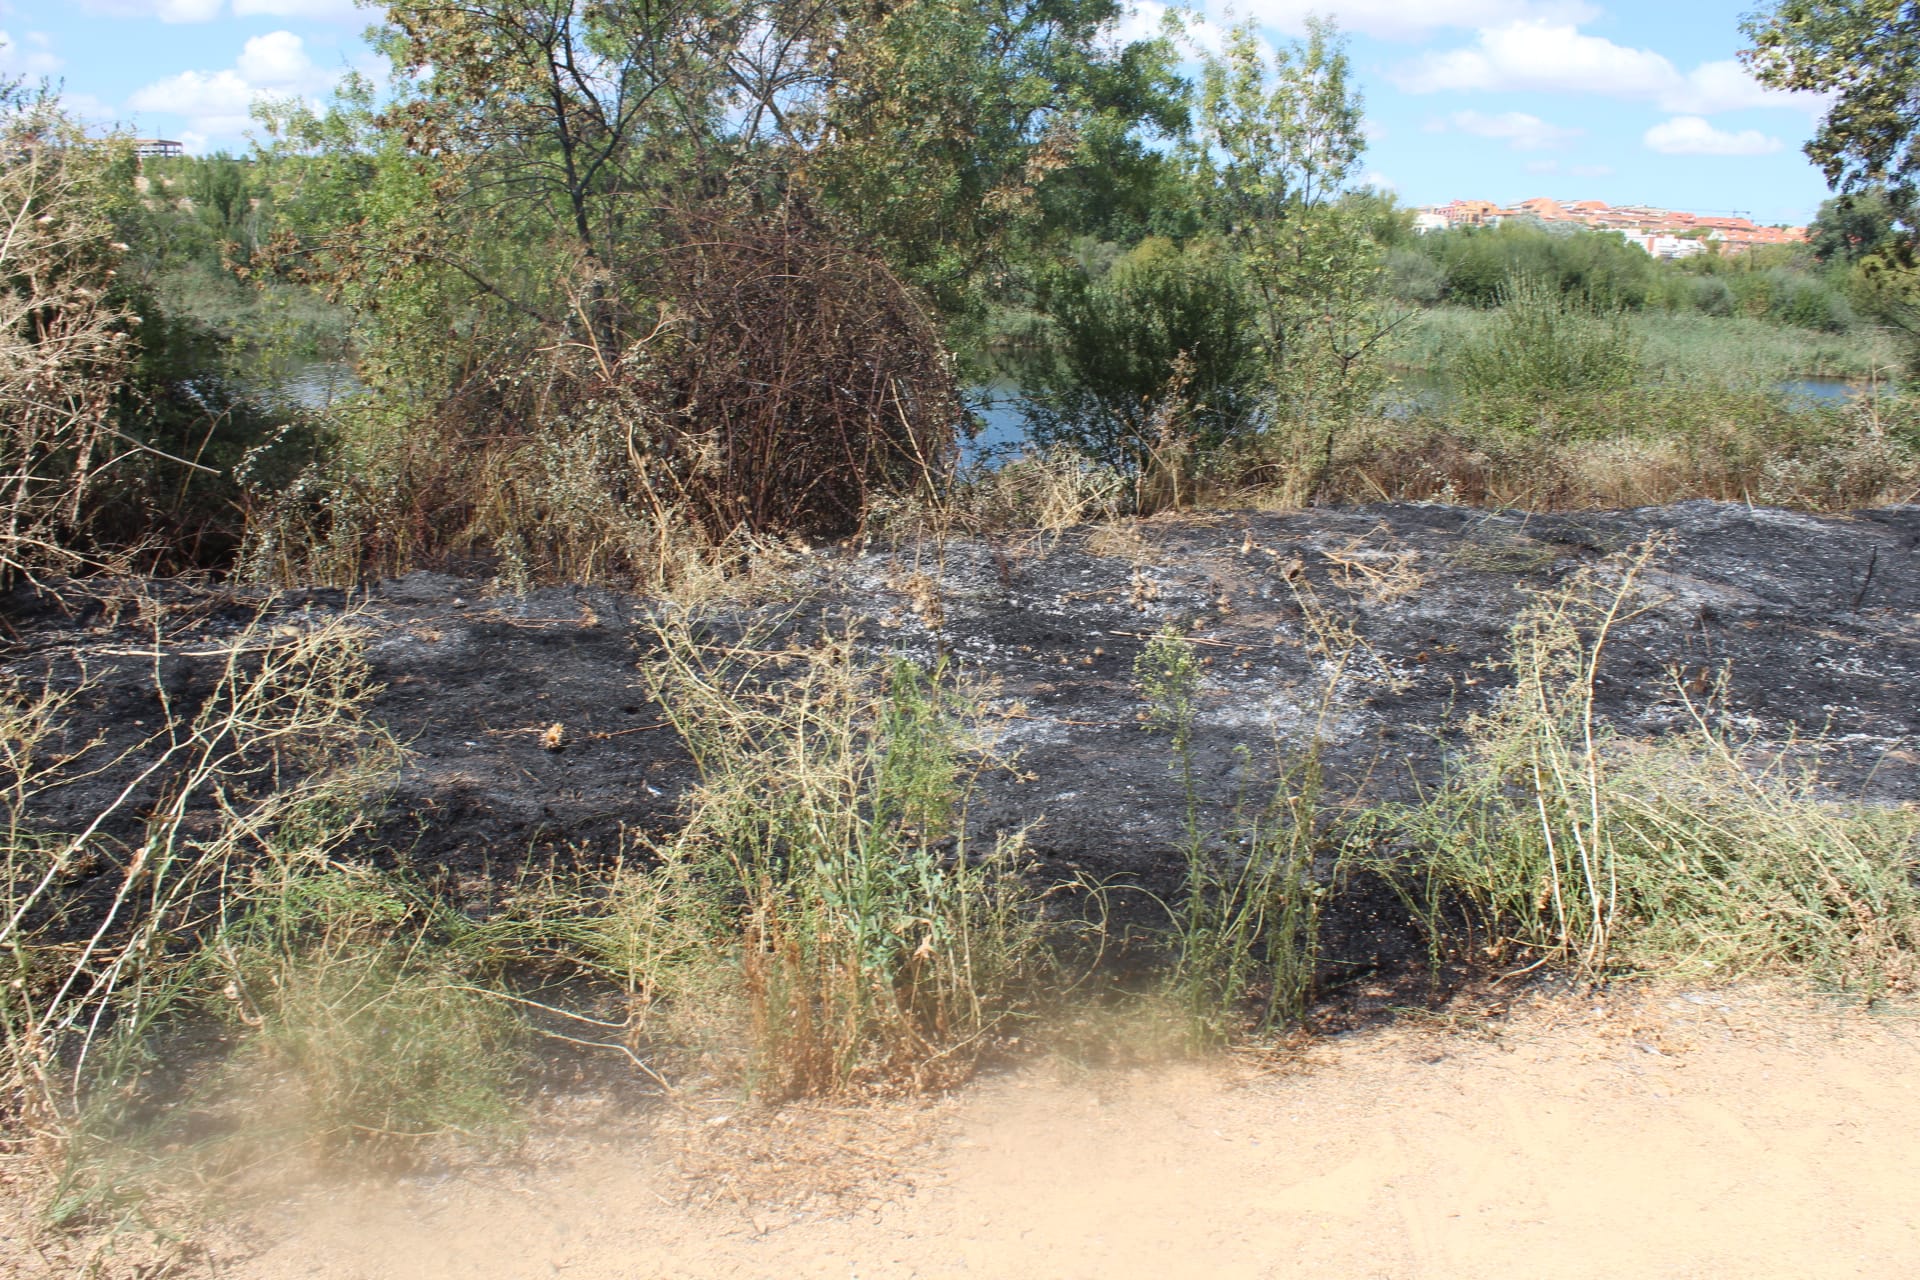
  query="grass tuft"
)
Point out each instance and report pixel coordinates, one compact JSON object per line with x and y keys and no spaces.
{"x":1557,"y":839}
{"x":868,"y":941}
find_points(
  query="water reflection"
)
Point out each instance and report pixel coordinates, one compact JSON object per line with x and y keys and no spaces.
{"x":309,"y":384}
{"x":1001,"y":409}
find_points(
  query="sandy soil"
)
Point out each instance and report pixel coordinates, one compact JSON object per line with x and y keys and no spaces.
{"x":1670,"y":1134}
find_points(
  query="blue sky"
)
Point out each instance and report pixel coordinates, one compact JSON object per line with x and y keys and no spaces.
{"x":1628,"y":101}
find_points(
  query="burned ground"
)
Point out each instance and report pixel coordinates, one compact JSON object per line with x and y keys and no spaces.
{"x":1814,"y":621}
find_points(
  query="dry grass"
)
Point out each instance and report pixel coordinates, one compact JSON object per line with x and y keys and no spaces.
{"x":65,"y":349}
{"x":200,"y":983}
{"x":269,"y":768}
{"x":1691,"y":856}
{"x":1121,"y":540}
{"x":1613,"y":450}
{"x":821,"y":906}
{"x":1049,"y":491}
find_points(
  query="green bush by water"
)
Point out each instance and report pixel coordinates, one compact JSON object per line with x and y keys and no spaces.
{"x":1162,"y":345}
{"x":1544,"y":342}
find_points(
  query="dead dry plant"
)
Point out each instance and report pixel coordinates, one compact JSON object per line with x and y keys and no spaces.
{"x":1049,"y":491}
{"x":788,"y":387}
{"x":65,"y":348}
{"x":105,"y":921}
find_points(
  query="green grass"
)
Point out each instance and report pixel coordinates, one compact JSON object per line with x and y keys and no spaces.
{"x":1677,"y":347}
{"x":1246,"y":927}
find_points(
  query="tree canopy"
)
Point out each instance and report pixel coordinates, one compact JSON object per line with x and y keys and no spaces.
{"x":1866,"y":53}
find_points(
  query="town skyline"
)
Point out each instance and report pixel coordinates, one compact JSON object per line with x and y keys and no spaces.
{"x":1661,"y":231}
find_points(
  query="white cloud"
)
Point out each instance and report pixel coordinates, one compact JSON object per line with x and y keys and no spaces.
{"x":32,"y":55}
{"x":1405,"y":20}
{"x":164,"y":10}
{"x":1378,"y":181}
{"x":1542,"y":167}
{"x":1726,"y":86}
{"x":89,"y":108}
{"x":279,"y":60}
{"x":1147,"y":20}
{"x":1519,"y":130}
{"x":1540,"y":55}
{"x":1694,"y":136}
{"x":313,"y":10}
{"x":217,"y":103}
{"x":1557,"y":57}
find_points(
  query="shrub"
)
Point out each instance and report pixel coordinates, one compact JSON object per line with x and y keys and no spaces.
{"x":66,"y":346}
{"x":349,"y":1008}
{"x":1414,"y":277}
{"x":1711,"y":295}
{"x":1812,"y":304}
{"x":1543,"y":343}
{"x":1159,"y":355}
{"x":790,"y":383}
{"x":1478,"y":263}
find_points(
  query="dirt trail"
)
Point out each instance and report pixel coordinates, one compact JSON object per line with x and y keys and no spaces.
{"x":1671,"y":1134}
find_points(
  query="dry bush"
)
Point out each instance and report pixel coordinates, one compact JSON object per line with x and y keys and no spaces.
{"x":803,"y":379}
{"x":102,"y":912}
{"x":1644,"y":449}
{"x":65,"y":349}
{"x":866,"y":942}
{"x":1052,"y":490}
{"x":789,"y":386}
{"x":203,"y":987}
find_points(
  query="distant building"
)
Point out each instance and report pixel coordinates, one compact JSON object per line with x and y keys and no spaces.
{"x":159,"y":148}
{"x":1474,"y":213}
{"x":1664,"y":233}
{"x":1546,"y":210}
{"x":1669,"y":247}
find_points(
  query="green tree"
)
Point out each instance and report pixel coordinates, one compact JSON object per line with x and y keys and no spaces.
{"x":1867,"y":54}
{"x":1157,"y":356}
{"x":1284,"y":142}
{"x":949,"y":129}
{"x":1852,"y":226}
{"x":538,"y":154}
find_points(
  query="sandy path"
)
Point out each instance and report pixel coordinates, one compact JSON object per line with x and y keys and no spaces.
{"x":1665,"y":1135}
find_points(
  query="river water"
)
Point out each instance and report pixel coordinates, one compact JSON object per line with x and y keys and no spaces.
{"x":1000,"y":406}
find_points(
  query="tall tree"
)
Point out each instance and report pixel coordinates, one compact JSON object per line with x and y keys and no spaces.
{"x":925,"y":126}
{"x":1866,"y":53}
{"x":1852,"y":226}
{"x":1284,"y":140}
